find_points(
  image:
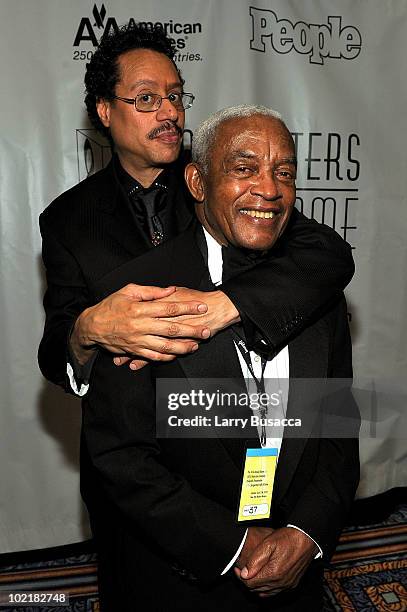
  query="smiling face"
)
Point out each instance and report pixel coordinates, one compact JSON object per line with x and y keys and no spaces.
{"x":248,"y":194}
{"x":145,"y":142}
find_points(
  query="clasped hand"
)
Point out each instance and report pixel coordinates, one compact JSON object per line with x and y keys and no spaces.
{"x":152,"y":323}
{"x":274,"y":560}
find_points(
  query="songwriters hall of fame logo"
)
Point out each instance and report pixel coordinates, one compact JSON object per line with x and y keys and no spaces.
{"x":328,"y":178}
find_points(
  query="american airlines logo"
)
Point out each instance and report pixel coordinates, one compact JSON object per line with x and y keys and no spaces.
{"x":91,"y":29}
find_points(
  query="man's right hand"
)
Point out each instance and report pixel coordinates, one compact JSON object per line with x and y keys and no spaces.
{"x":128,"y":322}
{"x":277,"y":563}
{"x":255,"y":536}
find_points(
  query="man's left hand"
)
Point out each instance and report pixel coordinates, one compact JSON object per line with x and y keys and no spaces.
{"x":278,"y":562}
{"x":220,"y":314}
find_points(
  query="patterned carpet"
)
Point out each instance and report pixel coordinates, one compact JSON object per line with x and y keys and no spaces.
{"x":369,"y":569}
{"x":368,"y":573}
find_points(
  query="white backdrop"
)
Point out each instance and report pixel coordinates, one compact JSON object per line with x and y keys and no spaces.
{"x":334,"y":68}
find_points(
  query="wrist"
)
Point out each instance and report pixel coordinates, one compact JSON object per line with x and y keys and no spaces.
{"x":80,"y":342}
{"x":304,"y":540}
{"x":230,"y":314}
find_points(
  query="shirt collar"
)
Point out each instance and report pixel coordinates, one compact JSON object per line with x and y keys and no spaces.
{"x":132,"y":185}
{"x":215,"y":259}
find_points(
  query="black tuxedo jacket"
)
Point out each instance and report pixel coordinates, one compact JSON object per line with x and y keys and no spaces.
{"x":91,"y":231}
{"x":170,"y":505}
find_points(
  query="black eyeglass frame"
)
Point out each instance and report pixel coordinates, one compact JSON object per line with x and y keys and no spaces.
{"x":133,"y":101}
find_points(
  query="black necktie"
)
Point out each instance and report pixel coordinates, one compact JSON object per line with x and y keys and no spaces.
{"x":154,"y":224}
{"x":146,"y":205}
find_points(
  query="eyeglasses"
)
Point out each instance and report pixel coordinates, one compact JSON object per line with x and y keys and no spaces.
{"x":149,"y":102}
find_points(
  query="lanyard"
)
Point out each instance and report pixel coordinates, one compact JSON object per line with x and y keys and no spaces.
{"x":244,"y":351}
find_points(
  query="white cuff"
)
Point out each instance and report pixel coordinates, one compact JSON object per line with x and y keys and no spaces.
{"x":319,"y":554}
{"x":232,"y":562}
{"x":74,"y":386}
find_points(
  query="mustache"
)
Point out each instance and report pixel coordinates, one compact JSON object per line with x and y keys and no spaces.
{"x":168,"y":126}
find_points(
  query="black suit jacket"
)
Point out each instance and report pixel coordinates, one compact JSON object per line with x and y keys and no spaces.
{"x":176,"y":500}
{"x":90,"y":231}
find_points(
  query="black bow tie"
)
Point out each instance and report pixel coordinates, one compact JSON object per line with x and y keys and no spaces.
{"x":237,"y":260}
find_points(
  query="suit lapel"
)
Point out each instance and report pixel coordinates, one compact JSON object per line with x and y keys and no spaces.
{"x":217,"y":362}
{"x":118,"y":214}
{"x":308,"y":354}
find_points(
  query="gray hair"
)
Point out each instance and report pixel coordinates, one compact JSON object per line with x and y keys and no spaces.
{"x":205,"y":135}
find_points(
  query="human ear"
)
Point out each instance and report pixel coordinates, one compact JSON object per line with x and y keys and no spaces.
{"x":103,"y":110}
{"x":195,"y":183}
